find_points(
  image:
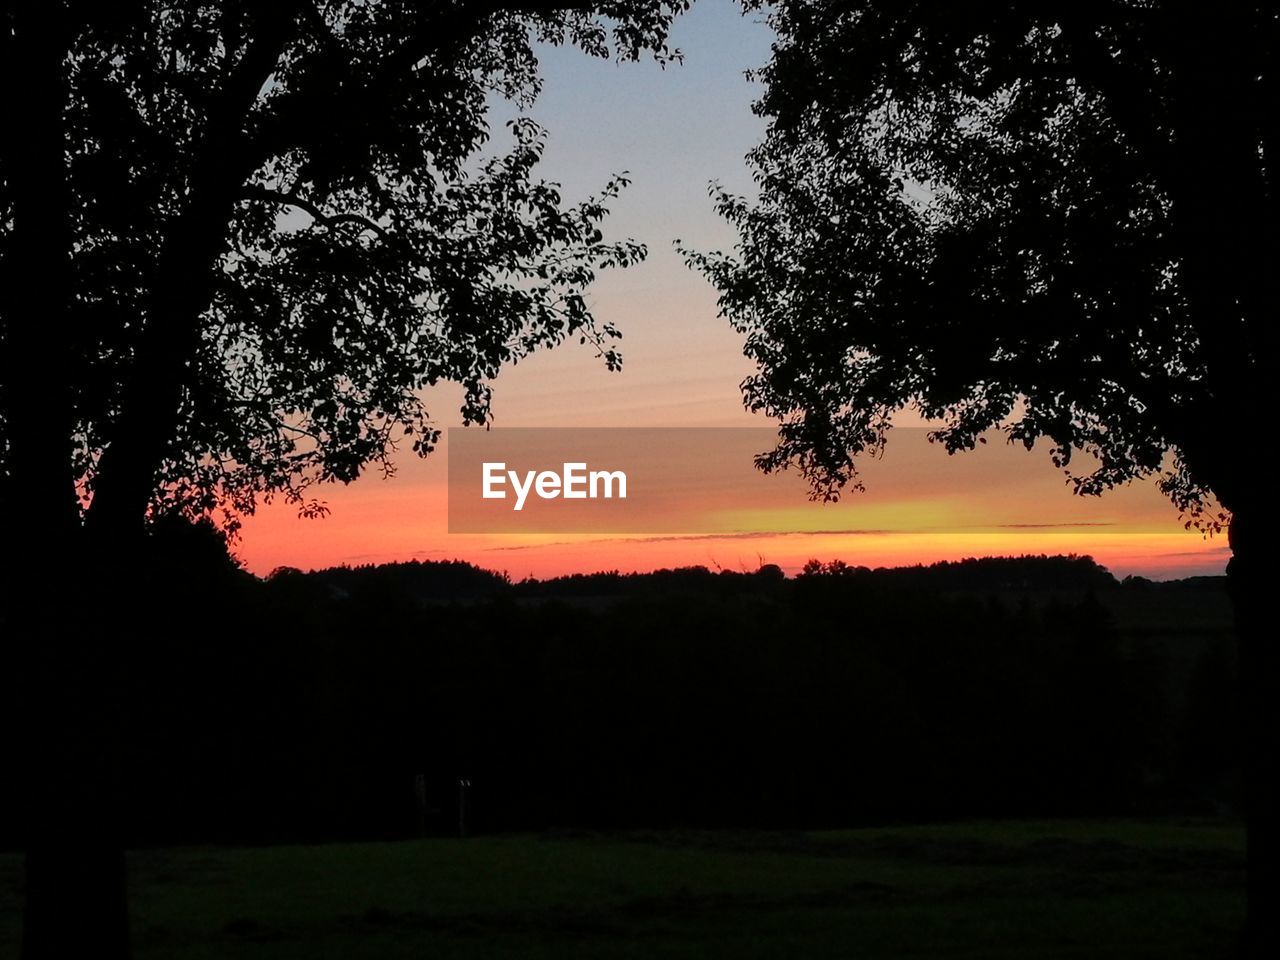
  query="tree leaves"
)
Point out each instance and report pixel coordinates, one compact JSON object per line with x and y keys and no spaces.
{"x":960,"y":212}
{"x":326,"y":171}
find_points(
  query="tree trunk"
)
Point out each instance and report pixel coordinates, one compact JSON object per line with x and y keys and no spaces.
{"x":75,"y":870}
{"x":75,"y":892}
{"x":1252,"y":584}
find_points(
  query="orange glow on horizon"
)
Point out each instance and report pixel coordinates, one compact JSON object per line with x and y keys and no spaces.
{"x":921,"y":506}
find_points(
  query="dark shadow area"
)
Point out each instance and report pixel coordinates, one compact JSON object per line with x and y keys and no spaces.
{"x":351,"y":703}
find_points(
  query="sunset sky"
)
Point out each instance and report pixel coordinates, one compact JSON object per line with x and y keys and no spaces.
{"x":675,"y":130}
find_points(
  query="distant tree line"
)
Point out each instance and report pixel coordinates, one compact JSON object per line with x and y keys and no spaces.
{"x":303,"y":707}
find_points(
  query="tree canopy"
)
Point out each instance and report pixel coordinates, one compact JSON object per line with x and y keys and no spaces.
{"x":281,"y":223}
{"x":1054,"y":219}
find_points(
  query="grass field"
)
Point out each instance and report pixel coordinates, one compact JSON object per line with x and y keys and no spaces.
{"x":987,"y":890}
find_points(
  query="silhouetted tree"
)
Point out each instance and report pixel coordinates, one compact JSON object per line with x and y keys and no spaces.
{"x":1056,"y":219}
{"x":236,"y":240}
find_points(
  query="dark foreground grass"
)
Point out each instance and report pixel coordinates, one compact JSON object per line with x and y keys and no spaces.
{"x":988,"y":890}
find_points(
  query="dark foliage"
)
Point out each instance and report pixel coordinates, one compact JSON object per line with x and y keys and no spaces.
{"x":682,"y":697}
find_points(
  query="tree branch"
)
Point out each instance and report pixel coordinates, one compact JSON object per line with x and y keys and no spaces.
{"x":447,"y":29}
{"x":149,"y":408}
{"x":306,"y":206}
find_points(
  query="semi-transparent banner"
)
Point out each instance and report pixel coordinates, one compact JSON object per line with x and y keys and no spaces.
{"x":602,"y":480}
{"x":703,"y":480}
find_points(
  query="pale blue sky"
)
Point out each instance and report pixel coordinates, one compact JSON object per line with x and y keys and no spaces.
{"x":674,"y":130}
